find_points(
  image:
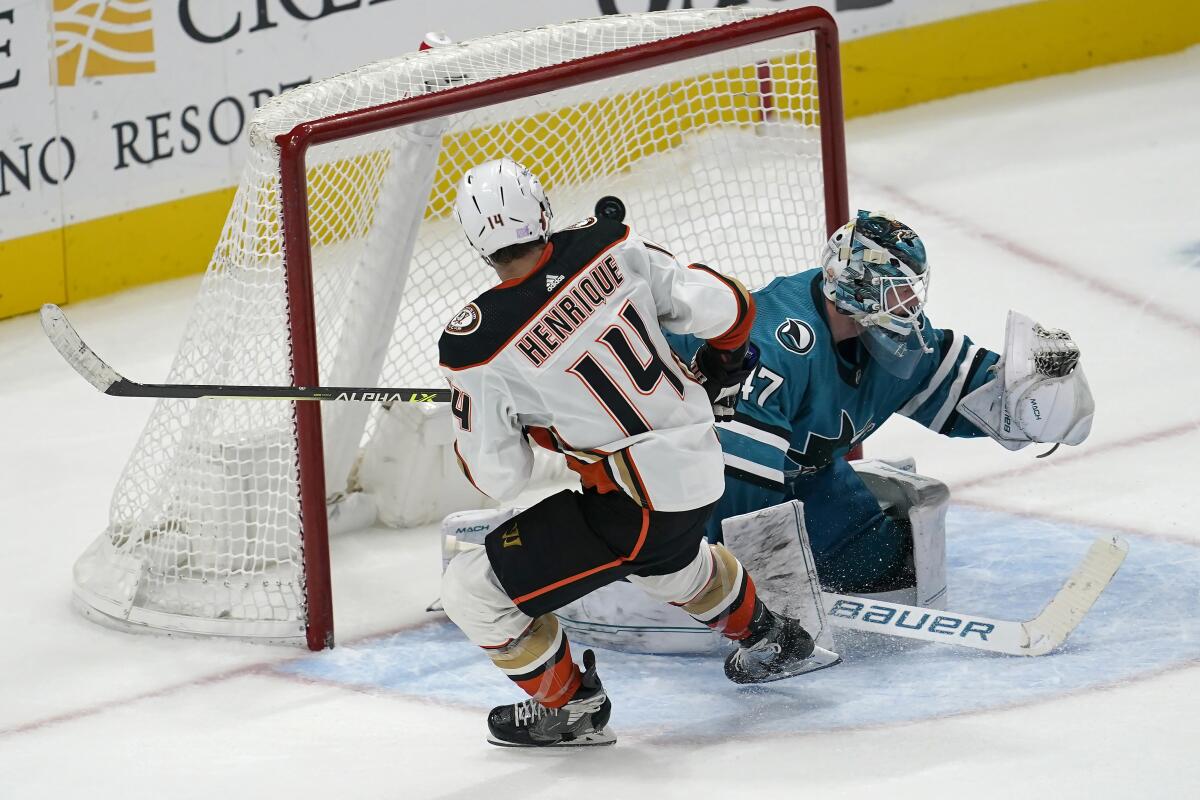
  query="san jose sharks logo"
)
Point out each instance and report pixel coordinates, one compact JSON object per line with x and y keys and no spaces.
{"x":819,"y":451}
{"x":884,"y":232}
{"x":795,"y":335}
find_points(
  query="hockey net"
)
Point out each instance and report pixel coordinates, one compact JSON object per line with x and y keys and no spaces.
{"x":340,"y":263}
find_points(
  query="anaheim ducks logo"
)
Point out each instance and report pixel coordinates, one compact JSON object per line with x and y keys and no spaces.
{"x":465,"y":321}
{"x":586,"y":222}
{"x":795,"y":335}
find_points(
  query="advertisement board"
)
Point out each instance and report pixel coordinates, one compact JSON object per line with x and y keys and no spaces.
{"x":122,"y":122}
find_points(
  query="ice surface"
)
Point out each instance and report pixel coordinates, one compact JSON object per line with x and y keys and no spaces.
{"x":999,"y":565}
{"x":1071,"y":199}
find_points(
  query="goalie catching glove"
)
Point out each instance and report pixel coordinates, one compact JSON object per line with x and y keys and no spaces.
{"x":721,"y":373}
{"x":1039,"y":394}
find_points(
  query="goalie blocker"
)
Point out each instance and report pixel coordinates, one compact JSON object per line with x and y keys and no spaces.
{"x":621,"y":617}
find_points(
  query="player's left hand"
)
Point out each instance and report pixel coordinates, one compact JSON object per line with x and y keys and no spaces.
{"x":721,"y":373}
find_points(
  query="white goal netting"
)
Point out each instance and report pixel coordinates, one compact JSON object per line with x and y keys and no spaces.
{"x":717,"y":157}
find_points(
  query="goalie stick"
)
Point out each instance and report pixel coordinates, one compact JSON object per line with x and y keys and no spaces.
{"x":1035,"y":637}
{"x":99,"y":374}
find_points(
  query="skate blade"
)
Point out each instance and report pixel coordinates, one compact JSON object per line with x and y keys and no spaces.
{"x":820,"y":659}
{"x":593,"y":739}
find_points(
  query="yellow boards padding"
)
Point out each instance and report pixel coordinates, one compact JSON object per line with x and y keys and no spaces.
{"x":1017,"y":43}
{"x":143,"y":246}
{"x":31,"y":272}
{"x":880,"y":72}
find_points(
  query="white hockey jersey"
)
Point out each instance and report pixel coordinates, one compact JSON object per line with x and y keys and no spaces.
{"x":572,"y":356}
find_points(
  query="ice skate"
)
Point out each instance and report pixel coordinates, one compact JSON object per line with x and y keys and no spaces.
{"x":784,"y":650}
{"x":582,"y":721}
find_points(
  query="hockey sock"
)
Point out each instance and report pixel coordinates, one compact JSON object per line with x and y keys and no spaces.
{"x":728,"y":602}
{"x":539,"y":661}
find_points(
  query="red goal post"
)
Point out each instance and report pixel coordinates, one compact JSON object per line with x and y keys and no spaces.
{"x":293,"y":173}
{"x":767,"y":94}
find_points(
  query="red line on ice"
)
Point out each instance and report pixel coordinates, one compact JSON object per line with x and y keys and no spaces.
{"x":260,"y":668}
{"x":1126,"y":298}
{"x":1060,"y":458}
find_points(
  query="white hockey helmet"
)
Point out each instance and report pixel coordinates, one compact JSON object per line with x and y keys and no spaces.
{"x":501,"y":203}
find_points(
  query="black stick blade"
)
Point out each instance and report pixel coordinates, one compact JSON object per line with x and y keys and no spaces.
{"x":99,"y":374}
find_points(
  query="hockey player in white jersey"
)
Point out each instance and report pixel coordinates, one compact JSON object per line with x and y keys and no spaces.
{"x":567,"y":352}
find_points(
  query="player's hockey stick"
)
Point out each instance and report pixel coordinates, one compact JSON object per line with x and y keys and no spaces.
{"x":1035,"y":637}
{"x":99,"y":374}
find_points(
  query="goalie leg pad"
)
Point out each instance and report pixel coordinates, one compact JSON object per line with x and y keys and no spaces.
{"x":620,"y":616}
{"x":462,"y":529}
{"x":773,"y":545}
{"x":922,"y":501}
{"x":426,"y":482}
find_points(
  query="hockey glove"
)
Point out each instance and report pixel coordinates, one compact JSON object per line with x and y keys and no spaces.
{"x":721,"y":373}
{"x":1039,"y":394}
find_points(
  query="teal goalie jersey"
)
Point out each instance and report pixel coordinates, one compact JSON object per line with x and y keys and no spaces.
{"x":809,"y":401}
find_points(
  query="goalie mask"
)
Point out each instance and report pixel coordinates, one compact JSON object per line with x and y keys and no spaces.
{"x":500,"y":203}
{"x":875,"y":271}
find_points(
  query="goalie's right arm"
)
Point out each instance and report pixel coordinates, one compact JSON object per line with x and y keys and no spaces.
{"x":1039,"y":392}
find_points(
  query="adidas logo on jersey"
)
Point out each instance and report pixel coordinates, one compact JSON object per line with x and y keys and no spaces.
{"x":552,"y":281}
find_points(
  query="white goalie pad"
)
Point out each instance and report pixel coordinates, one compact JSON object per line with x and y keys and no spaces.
{"x":772,"y":545}
{"x":1040,"y":394}
{"x":620,"y":616}
{"x":411,"y":469}
{"x":465,"y":529}
{"x":923,"y":501}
